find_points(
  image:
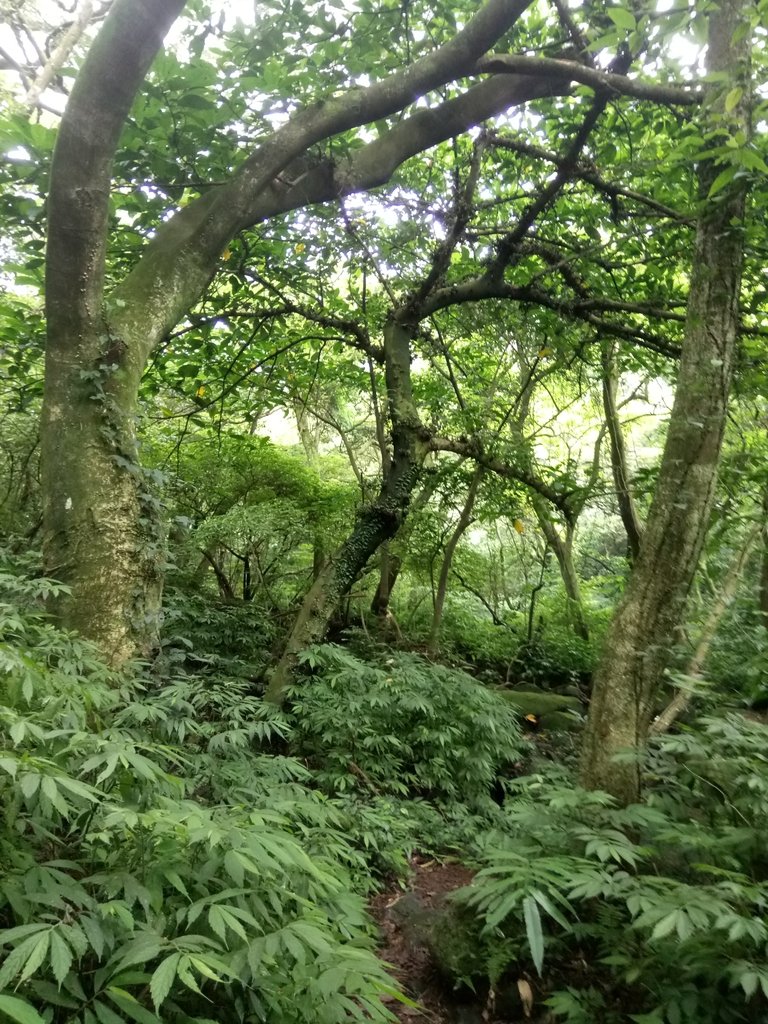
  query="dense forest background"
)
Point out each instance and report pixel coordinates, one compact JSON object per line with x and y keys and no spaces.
{"x":383,"y":512}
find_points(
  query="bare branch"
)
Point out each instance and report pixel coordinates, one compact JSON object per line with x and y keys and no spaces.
{"x":572,"y":71}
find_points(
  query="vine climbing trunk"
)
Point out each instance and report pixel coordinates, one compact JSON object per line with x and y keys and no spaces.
{"x":647,"y":621}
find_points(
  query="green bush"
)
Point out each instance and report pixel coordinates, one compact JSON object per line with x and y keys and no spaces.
{"x":653,"y":913}
{"x":156,"y":866}
{"x":397,"y":724}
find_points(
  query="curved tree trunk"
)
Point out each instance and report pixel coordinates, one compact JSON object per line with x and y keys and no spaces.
{"x":650,"y":613}
{"x":563,"y":552}
{"x":101,"y":533}
{"x":396,"y":558}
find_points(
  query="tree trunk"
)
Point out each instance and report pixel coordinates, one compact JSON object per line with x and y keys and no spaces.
{"x":650,"y":613}
{"x":101,"y":536}
{"x":101,"y":533}
{"x":376,"y":524}
{"x":563,"y":551}
{"x":763,"y":594}
{"x":627,"y":510}
{"x":465,"y":518}
{"x":395,"y":558}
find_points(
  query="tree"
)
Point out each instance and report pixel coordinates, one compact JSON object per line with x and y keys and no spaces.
{"x":651,"y":611}
{"x":101,"y":531}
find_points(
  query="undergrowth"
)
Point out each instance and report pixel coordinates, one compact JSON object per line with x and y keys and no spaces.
{"x":653,"y":913}
{"x":157,"y":866}
{"x":174,"y":851}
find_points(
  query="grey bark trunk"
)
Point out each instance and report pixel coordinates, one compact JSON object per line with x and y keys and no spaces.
{"x":627,"y":511}
{"x":649,"y":616}
{"x":101,"y":533}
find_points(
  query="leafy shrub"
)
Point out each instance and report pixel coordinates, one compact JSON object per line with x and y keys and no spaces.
{"x":651,"y":913}
{"x":156,"y":867}
{"x":400,"y":725}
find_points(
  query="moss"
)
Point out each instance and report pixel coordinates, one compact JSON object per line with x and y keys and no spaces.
{"x":555,"y":711}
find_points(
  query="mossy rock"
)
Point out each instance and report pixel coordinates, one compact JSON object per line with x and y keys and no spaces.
{"x":553,"y":711}
{"x":450,"y":933}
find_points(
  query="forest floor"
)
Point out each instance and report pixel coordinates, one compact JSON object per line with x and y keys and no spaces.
{"x":430,"y":882}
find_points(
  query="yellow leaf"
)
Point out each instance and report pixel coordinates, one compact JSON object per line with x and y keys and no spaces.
{"x":519,"y":525}
{"x":526,"y":996}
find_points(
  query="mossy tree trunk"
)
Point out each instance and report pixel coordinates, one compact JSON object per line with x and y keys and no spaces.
{"x":376,"y":523}
{"x":646,"y":624}
{"x":100,"y":533}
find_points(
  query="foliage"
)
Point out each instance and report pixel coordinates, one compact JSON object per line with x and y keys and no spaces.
{"x":396,"y":724}
{"x":654,"y":912}
{"x":155,"y":863}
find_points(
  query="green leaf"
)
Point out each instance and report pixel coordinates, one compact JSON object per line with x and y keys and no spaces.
{"x":665,"y":926}
{"x":130,"y":1006}
{"x":163,"y":979}
{"x":732,"y":99}
{"x":61,"y":956}
{"x":534,"y":932}
{"x":105,"y":1014}
{"x":724,"y":178}
{"x":19,"y":1010}
{"x":622,"y":18}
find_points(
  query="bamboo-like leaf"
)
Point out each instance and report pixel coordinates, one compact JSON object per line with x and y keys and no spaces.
{"x":534,"y":932}
{"x":19,"y":1010}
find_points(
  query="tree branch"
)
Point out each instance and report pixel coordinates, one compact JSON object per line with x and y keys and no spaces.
{"x":572,"y":71}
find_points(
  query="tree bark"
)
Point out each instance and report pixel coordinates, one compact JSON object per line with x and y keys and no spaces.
{"x":395,"y":558}
{"x":619,"y":468}
{"x":464,"y":521}
{"x":376,"y":524}
{"x":102,"y":535}
{"x":562,"y":548}
{"x":649,"y":616}
{"x":763,"y":591}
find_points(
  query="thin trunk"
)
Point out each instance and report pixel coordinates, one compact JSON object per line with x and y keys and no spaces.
{"x":464,"y":521}
{"x":396,"y":558}
{"x":310,"y":442}
{"x":719,"y":607}
{"x":649,"y":616}
{"x":376,"y":524}
{"x":763,"y":595}
{"x":389,"y":569}
{"x":61,"y":52}
{"x":562,"y":547}
{"x":627,"y":509}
